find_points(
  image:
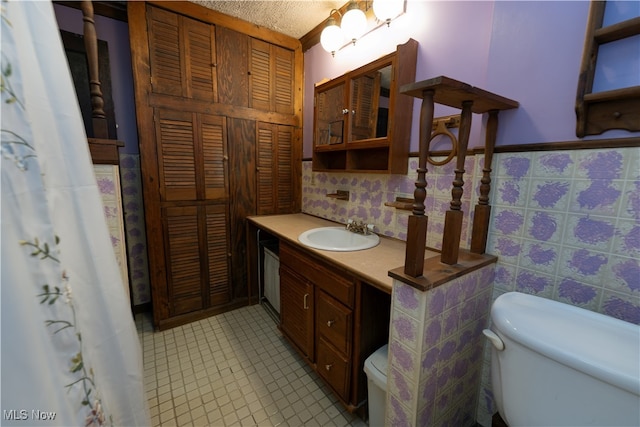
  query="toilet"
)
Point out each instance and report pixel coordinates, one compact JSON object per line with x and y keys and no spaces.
{"x":553,"y":364}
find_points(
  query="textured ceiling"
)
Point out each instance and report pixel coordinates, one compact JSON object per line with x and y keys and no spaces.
{"x":294,"y":18}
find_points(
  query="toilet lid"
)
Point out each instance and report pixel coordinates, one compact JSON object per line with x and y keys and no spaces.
{"x":379,"y":360}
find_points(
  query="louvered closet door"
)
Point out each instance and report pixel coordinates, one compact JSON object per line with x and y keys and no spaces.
{"x":200,"y":59}
{"x":214,"y":157}
{"x":285,"y":171}
{"x":182,"y":56}
{"x":274,"y":177}
{"x":176,"y":145}
{"x":184,"y":279}
{"x":165,"y":61}
{"x":195,"y":282}
{"x":271,"y":77}
{"x":192,"y":165}
{"x":217,"y":220}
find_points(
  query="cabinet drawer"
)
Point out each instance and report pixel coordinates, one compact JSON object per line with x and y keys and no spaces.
{"x":334,"y":322}
{"x":334,"y":368}
{"x":336,"y":283}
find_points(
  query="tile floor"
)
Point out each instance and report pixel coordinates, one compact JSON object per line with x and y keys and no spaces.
{"x":234,"y":369}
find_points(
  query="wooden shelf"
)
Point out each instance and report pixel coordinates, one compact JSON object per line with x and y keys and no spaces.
{"x":453,"y":93}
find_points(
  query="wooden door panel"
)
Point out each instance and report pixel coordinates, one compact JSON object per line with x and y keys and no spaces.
{"x":214,"y":150}
{"x":285,"y":194}
{"x":260,"y":81}
{"x":183,"y":259}
{"x":176,"y":154}
{"x":283,"y":82}
{"x":217,"y":220}
{"x":271,"y":82}
{"x":296,"y":311}
{"x":165,"y":61}
{"x":265,"y":176}
{"x":242,"y":193}
{"x":200,"y":59}
{"x":231,"y":50}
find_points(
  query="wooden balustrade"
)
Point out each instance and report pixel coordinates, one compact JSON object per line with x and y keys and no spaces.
{"x":469,"y":99}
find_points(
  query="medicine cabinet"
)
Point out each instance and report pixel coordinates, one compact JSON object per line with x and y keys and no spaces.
{"x":361,"y":121}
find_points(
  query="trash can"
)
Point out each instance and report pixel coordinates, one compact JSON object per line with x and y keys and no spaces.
{"x":376,"y":369}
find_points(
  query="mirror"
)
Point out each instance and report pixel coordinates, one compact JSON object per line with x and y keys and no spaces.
{"x":370,"y":104}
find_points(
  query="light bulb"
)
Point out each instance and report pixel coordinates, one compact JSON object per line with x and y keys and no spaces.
{"x":354,"y":22}
{"x":331,"y":38}
{"x":386,"y":10}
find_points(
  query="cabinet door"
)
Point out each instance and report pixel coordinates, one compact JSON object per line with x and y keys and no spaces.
{"x":192,"y":160}
{"x":330,"y":111}
{"x":271,"y":77}
{"x":217,"y":234}
{"x":182,"y":55}
{"x":296,"y":311}
{"x":274,"y":180}
{"x":196,"y":257}
{"x":184,"y":279}
{"x":233,"y":79}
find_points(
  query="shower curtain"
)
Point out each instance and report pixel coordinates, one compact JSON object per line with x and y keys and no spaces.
{"x":70,"y":353}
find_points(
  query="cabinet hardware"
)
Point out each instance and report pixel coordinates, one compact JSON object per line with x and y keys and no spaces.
{"x":328,"y":367}
{"x":330,"y":322}
{"x":345,"y":111}
{"x":304,"y":302}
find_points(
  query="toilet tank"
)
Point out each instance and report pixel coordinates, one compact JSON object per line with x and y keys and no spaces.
{"x":563,"y":365}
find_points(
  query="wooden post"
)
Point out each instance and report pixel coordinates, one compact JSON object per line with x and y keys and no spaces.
{"x":99,"y":118}
{"x":453,"y":217}
{"x":417,"y":226}
{"x":480,"y":230}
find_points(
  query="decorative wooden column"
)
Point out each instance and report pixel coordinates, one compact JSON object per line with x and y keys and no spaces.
{"x":453,"y":93}
{"x":103,"y":150}
{"x":417,"y":226}
{"x":482,"y":211}
{"x":98,"y":115}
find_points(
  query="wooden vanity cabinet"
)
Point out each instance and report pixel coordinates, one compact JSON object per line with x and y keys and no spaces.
{"x":334,"y":320}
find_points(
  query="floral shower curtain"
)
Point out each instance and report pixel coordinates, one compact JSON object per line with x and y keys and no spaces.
{"x":70,"y":353}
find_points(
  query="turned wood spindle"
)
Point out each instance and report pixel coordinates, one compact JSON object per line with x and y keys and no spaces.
{"x":482,"y":211}
{"x":453,"y":218}
{"x":417,"y":226}
{"x":99,"y":118}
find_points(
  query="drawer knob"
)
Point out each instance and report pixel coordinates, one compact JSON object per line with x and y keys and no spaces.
{"x":328,"y":367}
{"x":330,"y":322}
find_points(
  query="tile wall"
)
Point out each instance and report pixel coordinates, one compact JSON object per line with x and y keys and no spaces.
{"x":135,"y":228}
{"x":436,"y":346}
{"x":565,"y":224}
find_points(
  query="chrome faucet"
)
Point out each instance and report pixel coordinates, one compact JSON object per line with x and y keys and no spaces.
{"x":359,"y":227}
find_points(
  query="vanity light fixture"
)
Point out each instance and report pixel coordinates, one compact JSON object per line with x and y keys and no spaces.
{"x":354,"y":22}
{"x":332,"y":38}
{"x":386,"y":10}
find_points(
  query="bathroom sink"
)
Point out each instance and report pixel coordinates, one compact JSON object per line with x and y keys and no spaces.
{"x":337,"y":239}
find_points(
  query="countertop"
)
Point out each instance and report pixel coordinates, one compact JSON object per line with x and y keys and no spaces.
{"x":370,"y":265}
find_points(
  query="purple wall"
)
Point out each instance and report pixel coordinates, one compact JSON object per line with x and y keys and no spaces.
{"x":529,"y":51}
{"x":116,"y":34}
